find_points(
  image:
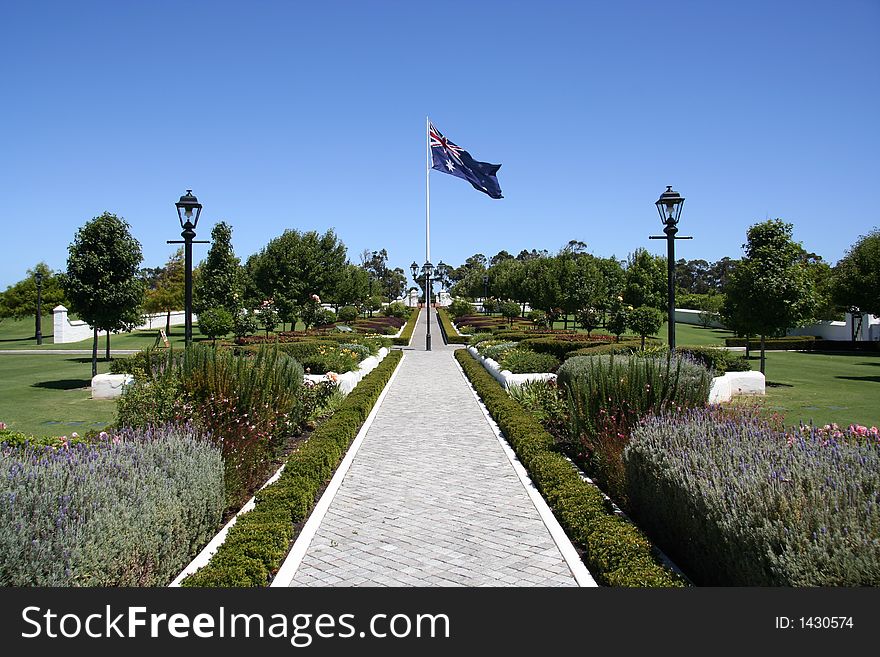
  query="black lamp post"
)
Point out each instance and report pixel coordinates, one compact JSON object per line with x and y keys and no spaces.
{"x":38,"y":329}
{"x":427,"y":270}
{"x":669,"y":206}
{"x":188,"y":211}
{"x":485,"y":292}
{"x":370,"y":301}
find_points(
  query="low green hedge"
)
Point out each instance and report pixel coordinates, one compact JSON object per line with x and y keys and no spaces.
{"x":555,"y":347}
{"x":605,"y":349}
{"x":260,"y":540}
{"x":615,"y":551}
{"x":450,"y":335}
{"x":795,"y":342}
{"x":406,"y":335}
{"x":719,"y":361}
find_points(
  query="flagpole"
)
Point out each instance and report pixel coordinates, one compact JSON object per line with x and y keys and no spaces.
{"x":428,"y":189}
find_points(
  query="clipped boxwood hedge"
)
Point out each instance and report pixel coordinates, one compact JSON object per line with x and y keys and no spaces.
{"x":796,"y":342}
{"x":450,"y":335}
{"x":406,"y":335}
{"x":260,"y":540}
{"x":615,"y":551}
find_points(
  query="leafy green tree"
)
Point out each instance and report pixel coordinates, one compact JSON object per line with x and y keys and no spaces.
{"x":510,"y":311}
{"x":770,"y":290}
{"x":102,"y":279}
{"x":857,"y":276}
{"x":646,"y":280}
{"x":645,"y":321}
{"x":295,"y":266}
{"x":215,"y":323}
{"x":589,"y":319}
{"x":219,"y":281}
{"x":168,"y":293}
{"x":244,"y":323}
{"x":267,"y":317}
{"x":19,"y":301}
{"x":353,"y":286}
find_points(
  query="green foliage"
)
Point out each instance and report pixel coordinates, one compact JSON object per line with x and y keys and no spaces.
{"x":267,"y":317}
{"x":406,"y":334}
{"x":738,"y":502}
{"x":615,"y":552}
{"x":790,"y":343}
{"x":244,"y":323}
{"x":646,"y":280}
{"x":603,"y":349}
{"x":396,"y":309}
{"x":168,"y":293}
{"x":219,"y":284}
{"x":102,"y":281}
{"x":215,"y":323}
{"x":295,"y":266}
{"x":477,"y":338}
{"x":19,"y":301}
{"x":524,"y":361}
{"x":510,"y":310}
{"x":589,"y":319}
{"x":460,"y":308}
{"x":347,"y":314}
{"x":857,"y":275}
{"x":450,"y":334}
{"x":717,"y":361}
{"x":554,"y":346}
{"x":645,"y":321}
{"x":259,"y":541}
{"x":127,"y":511}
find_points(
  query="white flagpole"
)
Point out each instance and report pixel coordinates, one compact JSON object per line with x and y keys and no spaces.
{"x":428,"y":190}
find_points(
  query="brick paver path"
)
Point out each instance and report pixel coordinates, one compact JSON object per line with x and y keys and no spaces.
{"x":431,"y":498}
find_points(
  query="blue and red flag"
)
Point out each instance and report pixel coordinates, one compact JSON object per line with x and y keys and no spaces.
{"x":454,"y":160}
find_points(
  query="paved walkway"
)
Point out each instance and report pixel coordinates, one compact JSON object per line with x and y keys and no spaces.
{"x":431,"y":498}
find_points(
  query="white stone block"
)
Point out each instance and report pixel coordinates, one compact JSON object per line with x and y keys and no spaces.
{"x":746,"y":383}
{"x":109,"y":386}
{"x":720,"y":390}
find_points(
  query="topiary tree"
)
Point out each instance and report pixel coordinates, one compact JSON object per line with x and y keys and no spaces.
{"x":219,"y":282}
{"x":347,"y":314}
{"x":645,"y":321}
{"x":102,"y":281}
{"x":215,"y":323}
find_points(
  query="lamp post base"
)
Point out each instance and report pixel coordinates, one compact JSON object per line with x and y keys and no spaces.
{"x":427,"y":343}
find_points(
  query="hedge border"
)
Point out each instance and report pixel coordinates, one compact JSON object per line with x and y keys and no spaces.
{"x":616,"y":552}
{"x":450,"y":333}
{"x":260,"y":540}
{"x":793,"y":342}
{"x":405,"y":336}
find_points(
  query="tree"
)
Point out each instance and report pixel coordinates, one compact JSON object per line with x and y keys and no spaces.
{"x":19,"y":301}
{"x":219,"y":282}
{"x":510,"y":311}
{"x":168,"y":293}
{"x":645,"y":321}
{"x":215,"y":323}
{"x":353,"y":286}
{"x":857,"y":276}
{"x":646,"y":280}
{"x":295,"y":266}
{"x":102,"y":279}
{"x":770,"y":290}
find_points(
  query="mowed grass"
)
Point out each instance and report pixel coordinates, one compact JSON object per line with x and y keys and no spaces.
{"x":823,"y":388}
{"x":49,"y":395}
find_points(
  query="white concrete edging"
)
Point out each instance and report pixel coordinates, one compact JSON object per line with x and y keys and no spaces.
{"x":294,"y":558}
{"x":346,"y":382}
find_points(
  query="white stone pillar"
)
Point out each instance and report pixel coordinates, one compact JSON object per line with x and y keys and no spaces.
{"x":59,"y":322}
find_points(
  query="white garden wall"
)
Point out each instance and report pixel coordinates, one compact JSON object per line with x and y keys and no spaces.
{"x":67,"y":330}
{"x":828,"y":330}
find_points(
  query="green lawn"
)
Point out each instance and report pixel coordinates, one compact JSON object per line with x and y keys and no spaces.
{"x":49,"y":395}
{"x":842,"y":388}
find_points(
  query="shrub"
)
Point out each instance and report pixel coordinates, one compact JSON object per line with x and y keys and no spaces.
{"x":477,"y":338}
{"x":719,"y":361}
{"x":537,"y":317}
{"x":460,"y":308}
{"x":509,"y":310}
{"x":495,"y":349}
{"x":127,"y":511}
{"x":605,"y":349}
{"x":557,"y":347}
{"x":738,"y":502}
{"x":614,"y":550}
{"x":396,"y":309}
{"x":215,"y":323}
{"x":244,"y":323}
{"x":589,"y":319}
{"x":406,"y":334}
{"x":347,"y":314}
{"x":523,"y":361}
{"x":543,"y":401}
{"x":792,"y":342}
{"x":607,"y":395}
{"x":330,"y":359}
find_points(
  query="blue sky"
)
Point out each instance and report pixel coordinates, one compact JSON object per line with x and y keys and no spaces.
{"x":311,"y":115}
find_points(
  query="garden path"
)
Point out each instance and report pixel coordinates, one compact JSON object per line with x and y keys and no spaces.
{"x":431,"y":497}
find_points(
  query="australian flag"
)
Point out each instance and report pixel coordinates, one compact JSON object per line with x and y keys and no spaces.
{"x":451,"y":159}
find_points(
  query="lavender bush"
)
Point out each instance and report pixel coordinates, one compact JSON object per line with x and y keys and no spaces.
{"x":130,"y":510}
{"x":737,"y":502}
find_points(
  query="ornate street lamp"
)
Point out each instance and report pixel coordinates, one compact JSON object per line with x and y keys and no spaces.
{"x":426,"y":271}
{"x":669,"y":206}
{"x":38,"y":332}
{"x":188,"y":211}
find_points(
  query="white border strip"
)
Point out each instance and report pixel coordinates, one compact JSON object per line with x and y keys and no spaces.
{"x":566,"y":548}
{"x":285,"y":574}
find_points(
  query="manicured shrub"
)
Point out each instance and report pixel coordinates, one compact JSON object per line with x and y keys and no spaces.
{"x":406,"y":334}
{"x":215,"y":323}
{"x":792,"y":342}
{"x":460,"y":308}
{"x":738,"y":502}
{"x":347,"y":314}
{"x":396,"y":309}
{"x":524,"y":361}
{"x":645,"y":321}
{"x":718,"y":361}
{"x":496,"y":350}
{"x":259,"y":541}
{"x":605,"y":349}
{"x":555,"y":346}
{"x":128,"y":510}
{"x":577,"y":504}
{"x":450,"y":334}
{"x":477,"y":338}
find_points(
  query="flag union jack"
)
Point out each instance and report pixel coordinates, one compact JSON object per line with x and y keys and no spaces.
{"x":454,"y":160}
